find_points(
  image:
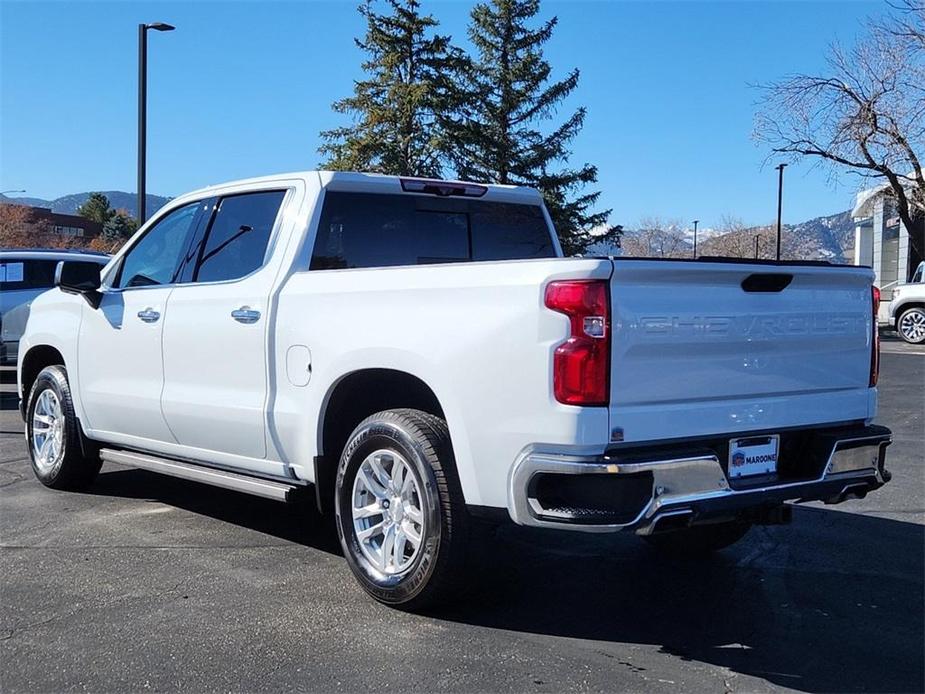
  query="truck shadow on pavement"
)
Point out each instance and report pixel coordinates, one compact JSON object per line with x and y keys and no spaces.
{"x":298,"y":523}
{"x":834,"y":602}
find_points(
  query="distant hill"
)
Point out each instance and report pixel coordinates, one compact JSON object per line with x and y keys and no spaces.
{"x":68,"y":204}
{"x":32,"y":202}
{"x":824,"y":238}
{"x":830,"y":237}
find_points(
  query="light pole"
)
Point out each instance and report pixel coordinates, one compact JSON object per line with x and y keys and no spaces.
{"x":696,"y":222}
{"x":756,"y":246}
{"x":4,"y":192}
{"x":780,"y":202}
{"x":142,"y":107}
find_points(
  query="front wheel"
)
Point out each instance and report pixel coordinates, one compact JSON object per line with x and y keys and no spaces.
{"x":53,"y":436}
{"x":400,"y":515}
{"x":699,"y":540}
{"x":911,"y":325}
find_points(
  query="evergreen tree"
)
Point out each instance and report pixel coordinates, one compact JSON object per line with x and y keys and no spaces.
{"x":119,"y":227}
{"x":394,"y":108}
{"x":506,"y":95}
{"x":96,"y":208}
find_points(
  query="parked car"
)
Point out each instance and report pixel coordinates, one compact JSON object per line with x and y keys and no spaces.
{"x":419,"y":355}
{"x":24,"y":274}
{"x":907,"y":308}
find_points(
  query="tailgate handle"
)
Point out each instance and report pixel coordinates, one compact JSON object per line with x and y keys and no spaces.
{"x":767,"y":282}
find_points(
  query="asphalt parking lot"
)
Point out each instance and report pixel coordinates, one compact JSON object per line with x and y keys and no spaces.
{"x":147,"y":582}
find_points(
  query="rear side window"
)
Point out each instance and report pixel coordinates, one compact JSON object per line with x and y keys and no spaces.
{"x":360,"y":230}
{"x":237,"y":240}
{"x":27,"y":274}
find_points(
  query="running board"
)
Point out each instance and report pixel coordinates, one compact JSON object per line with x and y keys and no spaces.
{"x":268,"y":489}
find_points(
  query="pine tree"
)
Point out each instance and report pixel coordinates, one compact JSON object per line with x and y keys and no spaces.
{"x":506,"y":95}
{"x":96,"y":208}
{"x":394,"y":108}
{"x":119,"y":227}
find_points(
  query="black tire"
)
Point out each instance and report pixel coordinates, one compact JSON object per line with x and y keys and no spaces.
{"x":699,"y":540}
{"x":908,"y":325}
{"x":67,"y":468}
{"x":435,"y":571}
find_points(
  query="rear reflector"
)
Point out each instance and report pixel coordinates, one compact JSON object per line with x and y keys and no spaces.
{"x":442,"y":188}
{"x":875,"y":341}
{"x":581,"y":364}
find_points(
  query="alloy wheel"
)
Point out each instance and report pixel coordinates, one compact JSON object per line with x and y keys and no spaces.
{"x":387,"y":514}
{"x":47,"y":430}
{"x":912,"y":326}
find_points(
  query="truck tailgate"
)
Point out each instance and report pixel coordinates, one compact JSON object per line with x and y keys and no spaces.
{"x":696,"y":352}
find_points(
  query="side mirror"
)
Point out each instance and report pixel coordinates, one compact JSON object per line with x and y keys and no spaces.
{"x":80,"y":278}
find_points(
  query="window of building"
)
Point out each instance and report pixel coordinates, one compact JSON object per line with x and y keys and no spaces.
{"x":889,"y":245}
{"x":67,"y":230}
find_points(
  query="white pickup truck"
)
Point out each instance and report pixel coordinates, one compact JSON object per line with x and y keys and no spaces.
{"x":419,"y":355}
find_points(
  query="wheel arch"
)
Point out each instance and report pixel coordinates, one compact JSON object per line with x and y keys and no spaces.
{"x":349,"y":401}
{"x":33,"y":361}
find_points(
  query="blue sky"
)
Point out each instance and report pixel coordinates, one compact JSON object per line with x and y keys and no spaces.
{"x":243,"y":88}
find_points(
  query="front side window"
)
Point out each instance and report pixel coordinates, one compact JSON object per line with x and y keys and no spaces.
{"x":237,"y":241}
{"x":360,"y":230}
{"x":153,"y":260}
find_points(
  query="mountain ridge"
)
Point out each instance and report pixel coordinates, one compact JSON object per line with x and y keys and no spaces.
{"x":68,"y":204}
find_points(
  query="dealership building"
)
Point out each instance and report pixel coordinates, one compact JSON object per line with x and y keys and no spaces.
{"x":882,"y":241}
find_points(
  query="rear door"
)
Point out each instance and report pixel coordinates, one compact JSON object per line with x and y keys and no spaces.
{"x":215,"y":341}
{"x":705,"y":348}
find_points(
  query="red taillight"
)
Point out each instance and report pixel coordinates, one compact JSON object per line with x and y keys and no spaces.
{"x":581,"y":364}
{"x":875,"y":342}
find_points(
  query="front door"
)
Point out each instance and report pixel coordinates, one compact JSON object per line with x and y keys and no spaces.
{"x":119,"y":345}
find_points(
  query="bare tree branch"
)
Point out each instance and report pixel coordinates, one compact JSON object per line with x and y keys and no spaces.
{"x":865,"y":114}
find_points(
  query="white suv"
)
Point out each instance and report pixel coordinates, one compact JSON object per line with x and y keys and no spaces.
{"x":907,"y":309}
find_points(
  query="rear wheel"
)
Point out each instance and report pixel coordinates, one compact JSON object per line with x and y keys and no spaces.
{"x":400,"y":515}
{"x":53,"y":436}
{"x":911,"y":325}
{"x":699,"y":540}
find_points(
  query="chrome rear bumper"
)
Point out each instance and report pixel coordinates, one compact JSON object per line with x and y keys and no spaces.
{"x":687,"y":489}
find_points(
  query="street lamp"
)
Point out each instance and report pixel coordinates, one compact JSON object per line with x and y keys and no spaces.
{"x":780,"y":201}
{"x":142,"y":107}
{"x":696,"y":222}
{"x":4,"y":192}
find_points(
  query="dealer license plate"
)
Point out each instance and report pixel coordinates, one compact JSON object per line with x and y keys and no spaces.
{"x":753,"y":455}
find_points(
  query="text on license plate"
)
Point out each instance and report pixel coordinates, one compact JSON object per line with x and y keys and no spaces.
{"x":753,"y":455}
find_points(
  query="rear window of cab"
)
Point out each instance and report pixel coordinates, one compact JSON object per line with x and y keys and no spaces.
{"x":362,"y":230}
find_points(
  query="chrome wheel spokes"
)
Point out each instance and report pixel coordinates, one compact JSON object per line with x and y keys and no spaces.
{"x":912,"y":326}
{"x":387,"y":512}
{"x":47,"y":430}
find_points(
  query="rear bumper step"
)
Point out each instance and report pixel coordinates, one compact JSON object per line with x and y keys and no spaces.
{"x":268,"y":489}
{"x":607,"y":494}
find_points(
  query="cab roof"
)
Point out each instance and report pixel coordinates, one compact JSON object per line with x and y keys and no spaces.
{"x":382,"y":183}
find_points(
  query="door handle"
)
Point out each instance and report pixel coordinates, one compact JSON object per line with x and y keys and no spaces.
{"x":246,"y":315}
{"x":149,"y":315}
